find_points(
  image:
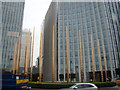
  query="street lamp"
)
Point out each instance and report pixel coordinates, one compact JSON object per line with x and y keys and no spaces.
{"x":10,"y":61}
{"x":11,"y":58}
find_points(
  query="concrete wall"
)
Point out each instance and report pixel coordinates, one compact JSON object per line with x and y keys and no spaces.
{"x":50,"y":19}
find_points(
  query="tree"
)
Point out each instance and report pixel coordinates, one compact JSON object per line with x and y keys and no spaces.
{"x":61,"y":77}
{"x":118,"y":71}
{"x":72,"y":76}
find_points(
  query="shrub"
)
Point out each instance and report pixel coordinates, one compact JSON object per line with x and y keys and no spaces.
{"x":104,"y":84}
{"x":43,"y":85}
{"x":56,"y":85}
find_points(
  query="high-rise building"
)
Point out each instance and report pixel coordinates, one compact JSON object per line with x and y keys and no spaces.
{"x":24,"y":40}
{"x":50,"y":19}
{"x":0,"y":34}
{"x":93,"y":41}
{"x":11,"y":18}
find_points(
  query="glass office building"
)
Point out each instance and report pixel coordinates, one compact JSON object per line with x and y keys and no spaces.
{"x":11,"y":21}
{"x":24,"y":41}
{"x":0,"y":34}
{"x":93,"y":40}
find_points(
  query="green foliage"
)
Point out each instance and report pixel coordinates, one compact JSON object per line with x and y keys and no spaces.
{"x":49,"y":85}
{"x":59,"y":85}
{"x":104,"y":84}
{"x":117,"y":71}
{"x":53,"y":83}
{"x":61,"y":77}
{"x":72,"y":76}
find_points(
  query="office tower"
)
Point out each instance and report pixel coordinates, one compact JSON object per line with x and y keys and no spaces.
{"x":0,"y":34}
{"x":24,"y":40}
{"x":12,"y":18}
{"x":50,"y":19}
{"x":93,"y":41}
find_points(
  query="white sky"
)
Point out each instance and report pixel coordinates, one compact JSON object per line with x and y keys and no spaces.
{"x":34,"y":14}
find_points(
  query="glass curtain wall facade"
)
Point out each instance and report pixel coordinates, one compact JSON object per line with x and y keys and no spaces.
{"x":12,"y":18}
{"x":0,"y":34}
{"x":94,"y":40}
{"x":95,"y":27}
{"x":24,"y":41}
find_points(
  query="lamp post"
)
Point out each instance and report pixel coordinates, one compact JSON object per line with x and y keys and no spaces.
{"x":40,"y":68}
{"x":10,"y":62}
{"x":11,"y":59}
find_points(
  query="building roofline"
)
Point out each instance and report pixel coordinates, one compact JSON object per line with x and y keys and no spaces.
{"x":12,"y":0}
{"x":85,"y":0}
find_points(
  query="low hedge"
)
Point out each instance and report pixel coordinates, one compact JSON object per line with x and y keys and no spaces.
{"x":43,"y":85}
{"x":104,"y":84}
{"x":57,"y":85}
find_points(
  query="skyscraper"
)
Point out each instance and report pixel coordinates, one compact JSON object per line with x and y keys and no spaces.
{"x":93,"y":41}
{"x":50,"y":19}
{"x":24,"y":41}
{"x":0,"y":34}
{"x":11,"y":23}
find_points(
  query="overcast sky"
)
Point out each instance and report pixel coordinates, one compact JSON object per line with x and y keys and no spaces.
{"x":34,"y":14}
